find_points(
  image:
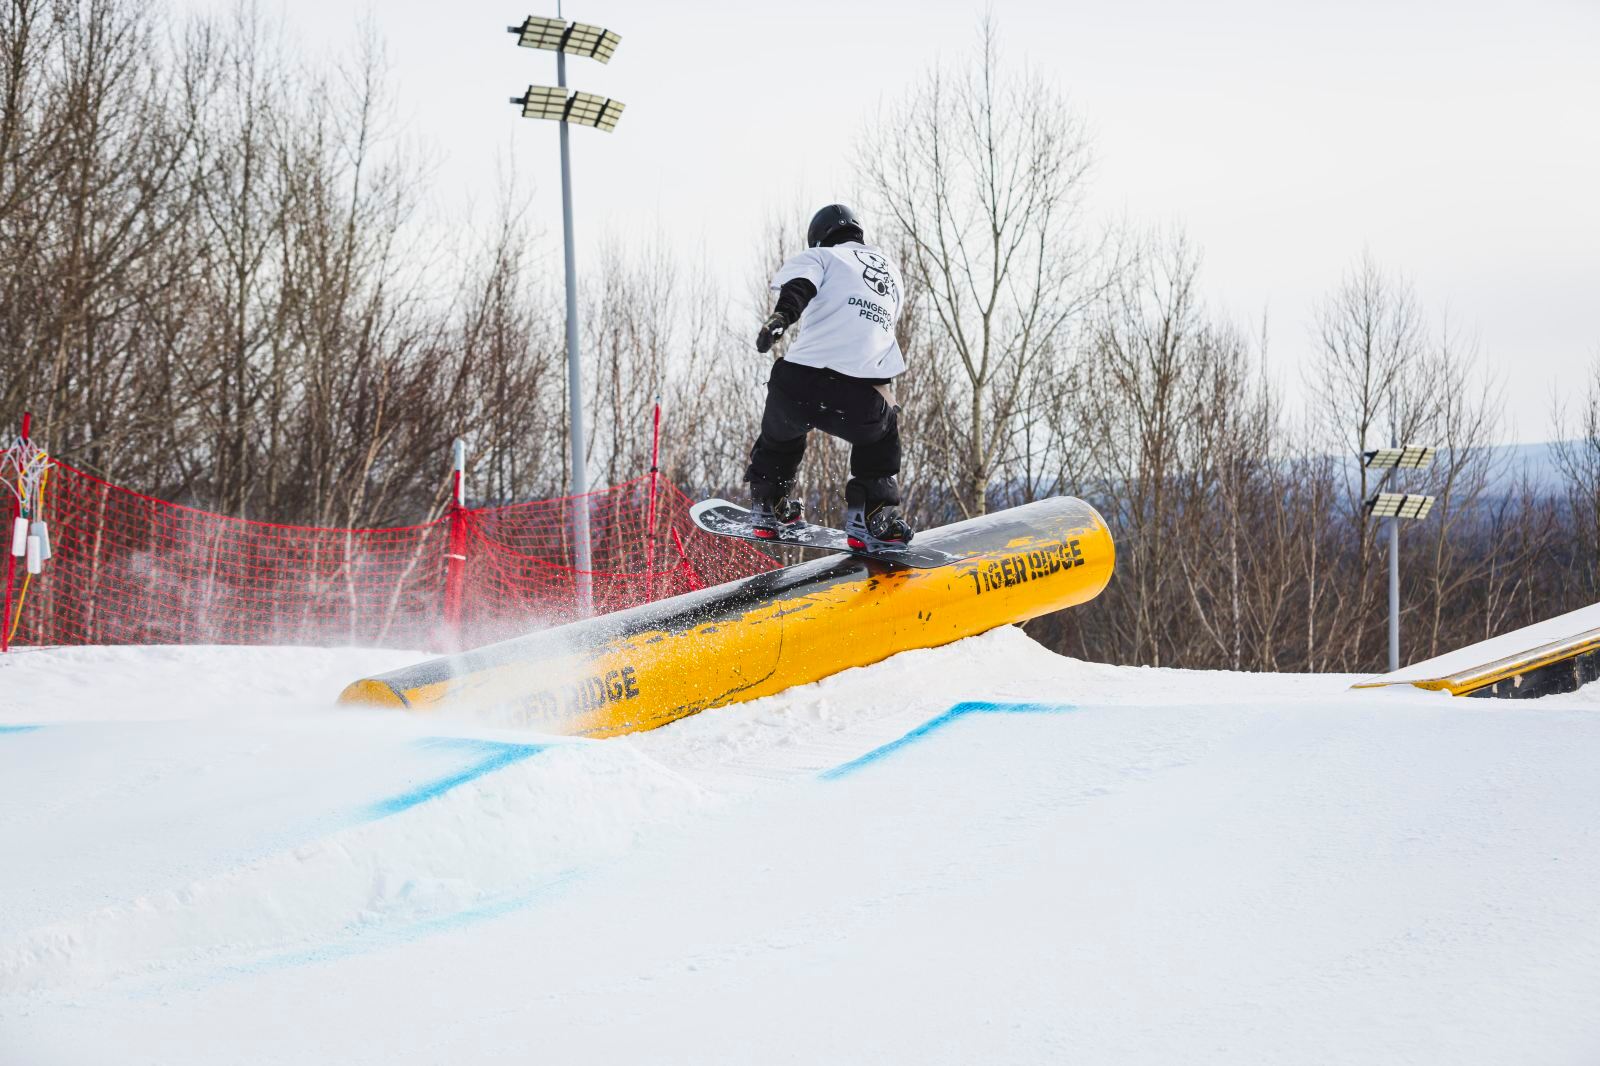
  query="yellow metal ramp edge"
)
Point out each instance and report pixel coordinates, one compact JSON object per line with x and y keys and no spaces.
{"x":1556,"y":655}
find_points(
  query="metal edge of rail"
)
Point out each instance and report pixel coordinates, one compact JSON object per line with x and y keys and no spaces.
{"x":1525,"y":670}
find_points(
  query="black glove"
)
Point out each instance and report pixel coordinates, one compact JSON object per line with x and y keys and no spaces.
{"x":771,"y":330}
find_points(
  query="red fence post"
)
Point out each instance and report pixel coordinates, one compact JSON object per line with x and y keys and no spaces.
{"x":455,"y":561}
{"x":650,"y":522}
{"x":700,"y":582}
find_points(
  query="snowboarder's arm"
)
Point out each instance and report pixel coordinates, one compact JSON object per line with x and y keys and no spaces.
{"x":792,"y":299}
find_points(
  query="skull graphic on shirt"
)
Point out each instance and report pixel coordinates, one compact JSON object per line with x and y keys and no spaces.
{"x":876,"y":274}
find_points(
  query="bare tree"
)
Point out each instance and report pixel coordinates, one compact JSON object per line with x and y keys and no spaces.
{"x":1144,"y":358}
{"x":1462,"y":420}
{"x":1368,"y":377}
{"x":1577,"y":459}
{"x":982,"y":172}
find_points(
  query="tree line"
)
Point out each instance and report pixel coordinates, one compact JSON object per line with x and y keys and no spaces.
{"x":220,"y":283}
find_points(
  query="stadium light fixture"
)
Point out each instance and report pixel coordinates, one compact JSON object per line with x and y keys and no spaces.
{"x":573,"y":38}
{"x":1400,"y":505}
{"x":560,"y":105}
{"x":585,"y":109}
{"x":1405,"y":457}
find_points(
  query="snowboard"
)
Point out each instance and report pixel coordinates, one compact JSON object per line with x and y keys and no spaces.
{"x":726,"y":519}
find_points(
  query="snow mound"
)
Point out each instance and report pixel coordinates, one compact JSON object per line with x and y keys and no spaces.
{"x":1008,"y":855}
{"x":483,"y":844}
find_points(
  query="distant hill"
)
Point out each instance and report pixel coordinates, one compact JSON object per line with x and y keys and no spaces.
{"x":1514,"y":462}
{"x":1535,"y":461}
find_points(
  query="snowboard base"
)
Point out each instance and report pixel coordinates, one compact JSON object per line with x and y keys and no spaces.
{"x":726,"y":519}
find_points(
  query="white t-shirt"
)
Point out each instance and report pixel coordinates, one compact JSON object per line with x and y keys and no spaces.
{"x":849,"y":325}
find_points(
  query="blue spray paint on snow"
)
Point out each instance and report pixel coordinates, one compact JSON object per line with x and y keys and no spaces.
{"x":19,"y":728}
{"x":933,"y":725}
{"x":361,"y":937}
{"x":357,"y":940}
{"x":492,"y":755}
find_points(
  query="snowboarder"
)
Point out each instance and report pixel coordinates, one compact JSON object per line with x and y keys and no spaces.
{"x":837,"y":376}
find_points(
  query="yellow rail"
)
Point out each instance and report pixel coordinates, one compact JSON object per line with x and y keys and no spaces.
{"x":1468,"y":681}
{"x":645,"y":667}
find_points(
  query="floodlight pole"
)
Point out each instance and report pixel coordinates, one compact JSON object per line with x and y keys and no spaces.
{"x":580,"y":480}
{"x":1394,"y":594}
{"x":1394,"y":506}
{"x":1394,"y":580}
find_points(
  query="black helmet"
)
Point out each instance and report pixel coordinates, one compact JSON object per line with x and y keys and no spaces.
{"x":833,"y":224}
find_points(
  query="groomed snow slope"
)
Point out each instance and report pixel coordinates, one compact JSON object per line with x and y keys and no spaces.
{"x":978,"y":853}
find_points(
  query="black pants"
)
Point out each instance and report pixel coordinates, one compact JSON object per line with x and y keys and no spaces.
{"x":803,"y":398}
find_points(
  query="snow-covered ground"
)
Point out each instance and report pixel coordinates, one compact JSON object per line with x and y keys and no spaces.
{"x":980,"y":853}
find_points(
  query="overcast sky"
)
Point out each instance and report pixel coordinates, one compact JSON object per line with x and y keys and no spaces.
{"x":1459,"y":141}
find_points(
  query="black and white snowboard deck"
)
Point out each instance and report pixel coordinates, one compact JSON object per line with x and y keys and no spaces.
{"x":730,"y":520}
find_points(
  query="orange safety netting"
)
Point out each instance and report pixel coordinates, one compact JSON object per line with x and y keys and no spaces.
{"x":131,"y":569}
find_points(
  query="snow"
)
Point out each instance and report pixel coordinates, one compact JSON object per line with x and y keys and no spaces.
{"x":1505,"y":646}
{"x":207,"y":861}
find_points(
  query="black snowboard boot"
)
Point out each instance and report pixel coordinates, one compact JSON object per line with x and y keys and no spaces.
{"x":872,"y":519}
{"x":769,"y":517}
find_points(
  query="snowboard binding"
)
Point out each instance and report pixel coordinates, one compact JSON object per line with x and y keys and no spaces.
{"x":872,"y":518}
{"x":768,"y":518}
{"x":883,"y":528}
